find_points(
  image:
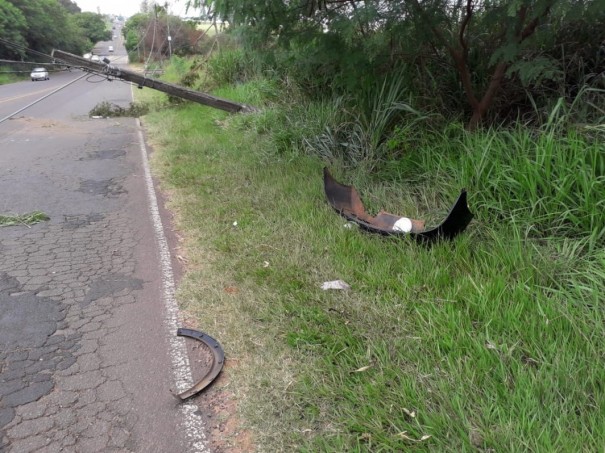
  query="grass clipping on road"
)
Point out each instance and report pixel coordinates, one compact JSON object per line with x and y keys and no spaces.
{"x":23,"y":219}
{"x":493,"y":341}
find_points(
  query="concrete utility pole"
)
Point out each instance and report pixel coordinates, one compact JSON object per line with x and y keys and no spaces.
{"x":142,"y":81}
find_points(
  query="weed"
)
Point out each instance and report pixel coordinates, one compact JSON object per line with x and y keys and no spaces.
{"x":23,"y":219}
{"x":109,"y":110}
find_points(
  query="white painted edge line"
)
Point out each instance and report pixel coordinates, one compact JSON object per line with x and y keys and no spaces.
{"x":191,"y":422}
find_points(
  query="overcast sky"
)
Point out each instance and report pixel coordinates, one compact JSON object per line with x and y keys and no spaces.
{"x":127,"y":7}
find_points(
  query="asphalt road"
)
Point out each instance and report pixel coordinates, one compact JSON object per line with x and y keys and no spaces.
{"x":86,"y":357}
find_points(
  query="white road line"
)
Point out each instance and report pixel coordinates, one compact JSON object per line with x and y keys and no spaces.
{"x":192,"y":423}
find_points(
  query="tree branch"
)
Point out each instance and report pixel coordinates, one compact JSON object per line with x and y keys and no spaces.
{"x":465,"y":22}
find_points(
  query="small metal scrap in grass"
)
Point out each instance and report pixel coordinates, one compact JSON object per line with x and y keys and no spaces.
{"x":23,"y":219}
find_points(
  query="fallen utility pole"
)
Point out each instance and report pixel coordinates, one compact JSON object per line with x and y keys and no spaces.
{"x":142,"y":81}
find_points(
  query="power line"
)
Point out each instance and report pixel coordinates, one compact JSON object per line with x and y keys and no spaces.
{"x":33,"y":63}
{"x":22,"y":47}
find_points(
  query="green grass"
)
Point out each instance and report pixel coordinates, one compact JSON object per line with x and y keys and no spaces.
{"x":491,"y":342}
{"x":23,"y":219}
{"x":6,"y":78}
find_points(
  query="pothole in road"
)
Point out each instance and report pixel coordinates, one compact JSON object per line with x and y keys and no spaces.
{"x":109,"y":285}
{"x":29,"y":350}
{"x":73,"y":222}
{"x":104,"y":154}
{"x":105,"y":187}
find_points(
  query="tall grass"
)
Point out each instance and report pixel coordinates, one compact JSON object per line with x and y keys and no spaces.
{"x":359,"y":136}
{"x":550,"y":181}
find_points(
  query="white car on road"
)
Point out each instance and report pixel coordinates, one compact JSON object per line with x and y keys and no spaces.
{"x":39,"y":74}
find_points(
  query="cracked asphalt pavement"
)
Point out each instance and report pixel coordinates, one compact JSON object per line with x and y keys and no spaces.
{"x":84,"y":357}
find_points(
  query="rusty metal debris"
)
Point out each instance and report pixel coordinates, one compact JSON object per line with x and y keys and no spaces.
{"x":347,"y":202}
{"x":218,"y":359}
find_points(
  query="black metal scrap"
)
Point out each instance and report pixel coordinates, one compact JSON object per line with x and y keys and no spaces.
{"x":218,"y":360}
{"x":347,"y":202}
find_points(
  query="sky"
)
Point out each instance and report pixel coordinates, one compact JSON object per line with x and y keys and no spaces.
{"x":127,"y":7}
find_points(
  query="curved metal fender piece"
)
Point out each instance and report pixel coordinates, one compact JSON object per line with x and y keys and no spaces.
{"x":347,"y":202}
{"x":217,"y":362}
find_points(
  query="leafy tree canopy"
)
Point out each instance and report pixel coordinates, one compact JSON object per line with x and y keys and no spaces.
{"x":468,"y":49}
{"x":30,"y":26}
{"x":12,"y":28}
{"x":93,"y":26}
{"x":147,"y":33}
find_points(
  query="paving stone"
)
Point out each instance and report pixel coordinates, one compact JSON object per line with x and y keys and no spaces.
{"x":63,"y":398}
{"x":98,"y":443}
{"x":31,"y":393}
{"x":29,"y":444}
{"x":31,"y":411}
{"x":111,"y":391}
{"x":118,"y":437}
{"x":6,"y":388}
{"x":66,"y":363}
{"x":50,"y":292}
{"x":64,"y":418}
{"x":28,"y":428}
{"x":6,"y":416}
{"x":82,"y":381}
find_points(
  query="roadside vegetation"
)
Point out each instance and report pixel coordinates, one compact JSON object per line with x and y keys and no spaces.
{"x":490,"y":342}
{"x":8,"y":76}
{"x":109,"y":110}
{"x":31,"y":27}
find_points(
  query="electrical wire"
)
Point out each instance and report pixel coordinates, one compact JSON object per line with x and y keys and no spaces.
{"x":33,"y":63}
{"x":26,"y":49}
{"x":27,"y":72}
{"x":152,"y":40}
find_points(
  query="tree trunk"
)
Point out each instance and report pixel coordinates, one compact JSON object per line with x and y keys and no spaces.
{"x":481,"y":108}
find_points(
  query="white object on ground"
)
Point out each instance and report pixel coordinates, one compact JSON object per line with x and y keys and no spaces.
{"x":335,"y":284}
{"x":403,"y":224}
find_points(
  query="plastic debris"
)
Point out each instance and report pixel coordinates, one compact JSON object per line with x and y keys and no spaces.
{"x":335,"y":284}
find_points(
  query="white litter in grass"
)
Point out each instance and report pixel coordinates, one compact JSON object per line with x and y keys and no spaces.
{"x":403,"y":224}
{"x":335,"y":284}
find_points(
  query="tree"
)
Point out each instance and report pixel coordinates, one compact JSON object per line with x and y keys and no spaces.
{"x":511,"y":25}
{"x":147,"y":33}
{"x":461,"y":53}
{"x":92,"y":26}
{"x":70,"y":6}
{"x":12,"y":29}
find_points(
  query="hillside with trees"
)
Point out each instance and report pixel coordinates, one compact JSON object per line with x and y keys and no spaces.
{"x":30,"y":26}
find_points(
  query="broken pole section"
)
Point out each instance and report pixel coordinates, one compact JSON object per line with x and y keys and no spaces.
{"x":142,"y":81}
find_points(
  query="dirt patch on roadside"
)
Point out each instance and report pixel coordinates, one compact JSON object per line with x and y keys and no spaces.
{"x":224,"y":425}
{"x":217,"y":405}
